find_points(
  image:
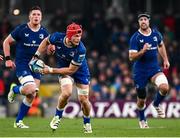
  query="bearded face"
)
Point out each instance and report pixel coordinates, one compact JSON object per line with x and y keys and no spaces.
{"x":143,"y":23}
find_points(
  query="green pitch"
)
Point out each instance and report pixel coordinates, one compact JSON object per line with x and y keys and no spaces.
{"x":39,"y":127}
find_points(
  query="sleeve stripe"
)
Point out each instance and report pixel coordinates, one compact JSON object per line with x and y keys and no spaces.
{"x":133,"y":51}
{"x":48,"y":39}
{"x":75,"y":63}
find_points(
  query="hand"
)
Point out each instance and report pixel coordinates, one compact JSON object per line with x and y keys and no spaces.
{"x":51,"y":49}
{"x":146,"y":47}
{"x":36,"y":65}
{"x":1,"y":57}
{"x":166,"y":64}
{"x":10,"y":64}
{"x":31,"y":62}
{"x":46,"y":70}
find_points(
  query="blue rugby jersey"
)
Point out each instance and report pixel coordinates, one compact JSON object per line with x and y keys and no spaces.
{"x":27,"y":42}
{"x":150,"y":58}
{"x":75,"y":55}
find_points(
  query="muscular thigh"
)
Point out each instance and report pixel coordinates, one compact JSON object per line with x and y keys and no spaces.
{"x":66,"y":84}
{"x":159,"y":79}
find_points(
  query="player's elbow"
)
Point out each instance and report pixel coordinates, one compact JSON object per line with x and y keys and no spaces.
{"x":131,"y":58}
{"x":5,"y":42}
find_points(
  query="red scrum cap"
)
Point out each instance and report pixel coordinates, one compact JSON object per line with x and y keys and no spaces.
{"x":73,"y":29}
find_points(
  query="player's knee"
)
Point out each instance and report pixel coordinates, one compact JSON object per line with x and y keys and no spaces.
{"x":66,"y":85}
{"x":140,"y":103}
{"x":83,"y":99}
{"x":30,"y":90}
{"x":30,"y":98}
{"x":164,"y":89}
{"x":66,"y":95}
{"x":141,"y":93}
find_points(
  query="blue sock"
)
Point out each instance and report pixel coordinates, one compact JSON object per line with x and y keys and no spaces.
{"x":16,"y":89}
{"x":22,"y":112}
{"x":86,"y":119}
{"x":158,"y":99}
{"x":59,"y":112}
{"x":141,"y":115}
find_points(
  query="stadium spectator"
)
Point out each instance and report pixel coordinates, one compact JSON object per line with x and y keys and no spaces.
{"x":2,"y":91}
{"x":58,"y":21}
{"x":36,"y":108}
{"x":5,"y":28}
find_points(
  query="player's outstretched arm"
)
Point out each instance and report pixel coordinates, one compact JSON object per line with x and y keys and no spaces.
{"x":6,"y":48}
{"x":42,"y":47}
{"x":163,"y":53}
{"x":63,"y":71}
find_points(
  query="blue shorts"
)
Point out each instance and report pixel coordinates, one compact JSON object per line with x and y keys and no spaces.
{"x":142,"y":77}
{"x":81,"y":79}
{"x":23,"y":73}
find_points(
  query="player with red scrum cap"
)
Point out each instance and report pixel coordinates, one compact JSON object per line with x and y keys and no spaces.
{"x":72,"y":68}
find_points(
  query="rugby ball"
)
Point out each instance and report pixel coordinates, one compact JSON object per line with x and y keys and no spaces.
{"x":36,"y":65}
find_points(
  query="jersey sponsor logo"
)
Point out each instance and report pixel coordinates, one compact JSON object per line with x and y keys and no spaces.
{"x":141,"y":41}
{"x":155,"y":38}
{"x":29,"y":45}
{"x":152,"y":48}
{"x":26,"y":35}
{"x":41,"y":36}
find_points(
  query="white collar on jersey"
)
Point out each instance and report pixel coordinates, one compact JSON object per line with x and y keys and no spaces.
{"x":34,"y":30}
{"x":145,"y":34}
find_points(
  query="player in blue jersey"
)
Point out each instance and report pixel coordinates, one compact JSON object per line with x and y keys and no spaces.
{"x":27,"y":38}
{"x":72,"y":68}
{"x":144,"y":47}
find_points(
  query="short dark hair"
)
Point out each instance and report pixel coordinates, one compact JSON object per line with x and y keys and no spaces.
{"x":144,"y":15}
{"x":35,"y":8}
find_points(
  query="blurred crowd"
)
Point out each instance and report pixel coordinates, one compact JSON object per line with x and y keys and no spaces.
{"x":106,"y":36}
